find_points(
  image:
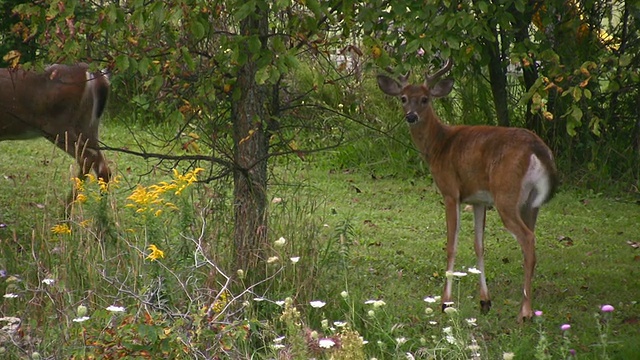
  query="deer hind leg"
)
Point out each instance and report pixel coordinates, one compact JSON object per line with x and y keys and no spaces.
{"x":479,"y":216}
{"x":529,"y":213}
{"x":452,"y":214}
{"x":513,"y":221}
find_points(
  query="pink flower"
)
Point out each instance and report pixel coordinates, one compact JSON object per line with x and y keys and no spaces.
{"x":606,"y":308}
{"x":538,"y":312}
{"x":565,"y":327}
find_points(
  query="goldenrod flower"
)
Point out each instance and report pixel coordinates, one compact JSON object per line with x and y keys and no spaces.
{"x":90,"y":177}
{"x":61,"y":229}
{"x":221,"y":302}
{"x":150,"y":198}
{"x":81,"y":198}
{"x":104,"y":186}
{"x":155,"y":253}
{"x":85,"y":223}
{"x":78,"y":184}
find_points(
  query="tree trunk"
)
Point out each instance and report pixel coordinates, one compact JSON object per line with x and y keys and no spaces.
{"x":533,"y":121}
{"x":498,"y":80}
{"x":249,"y":113}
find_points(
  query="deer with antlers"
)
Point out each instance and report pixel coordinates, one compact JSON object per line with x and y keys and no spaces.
{"x":62,"y":104}
{"x":509,"y":168}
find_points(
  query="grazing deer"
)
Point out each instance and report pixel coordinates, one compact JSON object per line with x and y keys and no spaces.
{"x":509,"y":168}
{"x":63,"y":104}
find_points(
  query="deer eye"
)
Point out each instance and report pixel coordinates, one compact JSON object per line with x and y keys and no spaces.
{"x":424,"y":100}
{"x":404,"y":99}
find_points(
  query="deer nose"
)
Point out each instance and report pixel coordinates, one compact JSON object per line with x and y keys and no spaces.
{"x":411,"y":117}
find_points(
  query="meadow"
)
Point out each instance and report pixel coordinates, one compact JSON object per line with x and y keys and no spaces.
{"x":142,"y":268}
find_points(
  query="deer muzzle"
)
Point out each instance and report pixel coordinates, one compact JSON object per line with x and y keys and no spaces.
{"x":411,"y":117}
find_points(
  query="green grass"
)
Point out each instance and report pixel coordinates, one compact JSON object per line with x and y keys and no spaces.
{"x":374,"y":233}
{"x":584,"y":260}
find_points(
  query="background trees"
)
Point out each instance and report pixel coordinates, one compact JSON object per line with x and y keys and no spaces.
{"x":239,"y":82}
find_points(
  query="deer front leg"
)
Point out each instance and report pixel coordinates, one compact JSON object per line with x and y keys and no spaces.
{"x":452,"y":214}
{"x":479,"y":217}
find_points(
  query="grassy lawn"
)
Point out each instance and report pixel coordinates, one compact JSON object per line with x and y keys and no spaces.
{"x":361,"y":235}
{"x":584,"y":260}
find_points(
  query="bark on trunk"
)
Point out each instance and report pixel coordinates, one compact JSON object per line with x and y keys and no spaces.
{"x":522,"y":22}
{"x":498,"y":79}
{"x":249,"y":112}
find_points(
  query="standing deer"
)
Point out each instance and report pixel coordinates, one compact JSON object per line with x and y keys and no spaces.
{"x":63,"y":104}
{"x":509,"y":168}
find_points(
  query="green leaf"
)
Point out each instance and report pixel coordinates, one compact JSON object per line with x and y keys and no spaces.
{"x":574,"y":119}
{"x":158,"y":11}
{"x":291,"y":61}
{"x":186,"y":56}
{"x":143,"y":66}
{"x":483,"y":6}
{"x":314,"y":6}
{"x":576,"y":92}
{"x":278,"y":45}
{"x":262,"y":75}
{"x":155,"y":83}
{"x":254,"y":44}
{"x":529,"y":94}
{"x":594,"y":125}
{"x":197,"y":29}
{"x":625,"y":60}
{"x":122,"y":62}
{"x":245,"y":10}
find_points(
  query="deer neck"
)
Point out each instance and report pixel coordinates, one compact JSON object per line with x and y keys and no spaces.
{"x":429,"y":133}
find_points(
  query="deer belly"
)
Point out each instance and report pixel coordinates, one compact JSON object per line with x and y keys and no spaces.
{"x":21,"y":132}
{"x":480,"y":198}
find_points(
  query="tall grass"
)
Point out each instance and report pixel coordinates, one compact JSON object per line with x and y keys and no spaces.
{"x":353,"y":271}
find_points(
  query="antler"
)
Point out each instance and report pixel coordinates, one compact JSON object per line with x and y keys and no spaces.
{"x":432,"y":79}
{"x":402,"y":79}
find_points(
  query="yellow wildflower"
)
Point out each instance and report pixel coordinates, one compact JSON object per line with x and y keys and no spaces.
{"x":150,"y":198}
{"x":171,"y":205}
{"x":155,"y":253}
{"x":81,"y":198}
{"x":92,"y":178}
{"x":221,"y":302}
{"x":78,"y":184}
{"x":85,"y":223}
{"x":104,"y":186}
{"x":61,"y":229}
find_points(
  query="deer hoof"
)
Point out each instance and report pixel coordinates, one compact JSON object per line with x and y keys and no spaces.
{"x":485,"y":306}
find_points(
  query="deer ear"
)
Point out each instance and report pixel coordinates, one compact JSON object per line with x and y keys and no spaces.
{"x":389,"y":86}
{"x":442,"y":88}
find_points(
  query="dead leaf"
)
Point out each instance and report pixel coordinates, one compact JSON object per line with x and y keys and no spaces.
{"x":566,"y":239}
{"x":370,"y":223}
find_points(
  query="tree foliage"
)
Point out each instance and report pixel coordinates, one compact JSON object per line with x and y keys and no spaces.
{"x":242,"y":81}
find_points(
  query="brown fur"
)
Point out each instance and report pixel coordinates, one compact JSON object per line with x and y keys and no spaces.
{"x":60,"y":104}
